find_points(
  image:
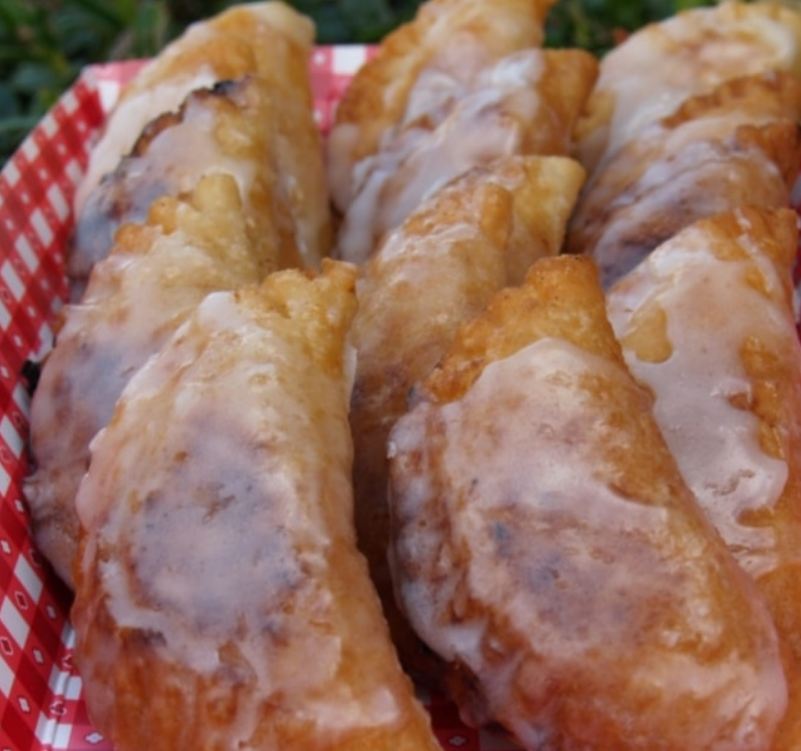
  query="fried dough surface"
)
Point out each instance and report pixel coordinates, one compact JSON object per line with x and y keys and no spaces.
{"x":221,"y":601}
{"x":738,"y":145}
{"x":230,"y":129}
{"x":267,"y":40}
{"x":154,"y":277}
{"x":648,"y":76}
{"x":435,"y":272}
{"x":707,"y":324}
{"x":546,"y":547}
{"x":461,"y":86}
{"x":378,"y":96}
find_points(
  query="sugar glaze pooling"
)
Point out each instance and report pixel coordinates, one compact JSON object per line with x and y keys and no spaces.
{"x":519,"y":559}
{"x":698,"y":387}
{"x":452,"y":123}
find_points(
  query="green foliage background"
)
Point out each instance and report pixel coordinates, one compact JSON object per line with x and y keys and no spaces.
{"x":45,"y":43}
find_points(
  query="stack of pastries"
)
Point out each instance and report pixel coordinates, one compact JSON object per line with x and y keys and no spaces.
{"x":534,"y":440}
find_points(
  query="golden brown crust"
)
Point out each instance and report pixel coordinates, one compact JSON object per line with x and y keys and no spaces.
{"x":544,"y":193}
{"x":215,"y":130}
{"x":738,"y":145}
{"x":205,"y":642}
{"x":547,"y":602}
{"x":376,"y":97}
{"x":155,"y":275}
{"x":460,"y":87}
{"x":518,"y":316}
{"x":273,"y":42}
{"x":566,"y":83}
{"x":248,"y":39}
{"x":770,"y":365}
{"x":434,"y":273}
{"x":772,"y":94}
{"x":521,"y":104}
{"x":775,"y":95}
{"x":265,"y":40}
{"x":683,"y":56}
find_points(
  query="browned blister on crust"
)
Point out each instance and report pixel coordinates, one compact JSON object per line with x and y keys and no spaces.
{"x":713,"y":308}
{"x":266,"y":40}
{"x":221,"y":600}
{"x":684,"y":56}
{"x":547,"y":548}
{"x":435,"y":272}
{"x":486,"y":92}
{"x":376,"y":98}
{"x":738,"y":145}
{"x":155,"y":275}
{"x":538,"y":309}
{"x":229,"y":129}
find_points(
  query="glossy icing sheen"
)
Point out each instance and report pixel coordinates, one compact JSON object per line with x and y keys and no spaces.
{"x":165,"y":82}
{"x":453,"y":122}
{"x":712,"y":308}
{"x":217,"y":513}
{"x":173,"y":163}
{"x":657,"y":68}
{"x":127,"y":121}
{"x":696,"y":170}
{"x":590,"y":619}
{"x":136,"y":299}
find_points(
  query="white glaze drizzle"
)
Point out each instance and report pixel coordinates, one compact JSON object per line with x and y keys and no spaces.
{"x":126,"y":122}
{"x":711,"y":311}
{"x":452,"y":123}
{"x":151,"y":94}
{"x":232,"y":549}
{"x":182,"y":155}
{"x":657,"y":68}
{"x":689,"y":161}
{"x":174,"y":161}
{"x":522,"y":451}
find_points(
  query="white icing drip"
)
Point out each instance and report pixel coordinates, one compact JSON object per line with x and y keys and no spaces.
{"x":351,"y":362}
{"x":342,"y":141}
{"x":451,"y":124}
{"x":151,"y":94}
{"x":134,"y":301}
{"x":711,"y":311}
{"x":657,"y":68}
{"x":126,"y":122}
{"x":230,"y":544}
{"x":514,"y":472}
{"x":180,"y":155}
{"x":680,"y":186}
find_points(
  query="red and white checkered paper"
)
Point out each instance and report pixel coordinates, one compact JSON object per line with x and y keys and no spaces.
{"x":41,"y":705}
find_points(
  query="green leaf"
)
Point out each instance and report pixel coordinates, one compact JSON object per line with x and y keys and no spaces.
{"x":150,"y":28}
{"x":331,"y":26}
{"x":30,"y":77}
{"x":9,"y":104}
{"x":369,"y":20}
{"x":20,"y":124}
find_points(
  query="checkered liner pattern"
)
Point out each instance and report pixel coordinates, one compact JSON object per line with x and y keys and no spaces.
{"x":41,"y":706}
{"x":40,"y":692}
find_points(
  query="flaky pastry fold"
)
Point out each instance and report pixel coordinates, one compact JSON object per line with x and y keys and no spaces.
{"x":547,"y":548}
{"x":738,"y":145}
{"x":461,"y":86}
{"x":221,"y":600}
{"x":151,"y":281}
{"x":707,"y":324}
{"x":659,"y":66}
{"x":267,"y":40}
{"x":432,"y":274}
